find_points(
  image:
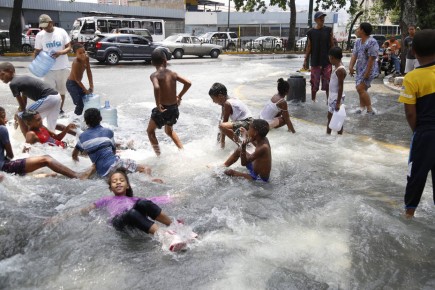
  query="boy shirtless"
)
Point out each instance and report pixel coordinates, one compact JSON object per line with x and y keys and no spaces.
{"x":167,"y":101}
{"x":258,"y":163}
{"x":74,"y":84}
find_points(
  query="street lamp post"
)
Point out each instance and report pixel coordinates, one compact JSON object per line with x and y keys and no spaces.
{"x":228,"y":26}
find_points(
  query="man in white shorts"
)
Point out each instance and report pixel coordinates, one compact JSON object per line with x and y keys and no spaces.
{"x":54,"y":40}
{"x":47,"y":100}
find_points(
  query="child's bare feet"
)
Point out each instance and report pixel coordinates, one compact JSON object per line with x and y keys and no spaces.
{"x":44,"y":175}
{"x":409,"y":213}
{"x":86,"y":174}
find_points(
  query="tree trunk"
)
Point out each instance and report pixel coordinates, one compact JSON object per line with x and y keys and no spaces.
{"x":408,"y":15}
{"x":15,"y":28}
{"x":351,"y":28}
{"x":292,"y":30}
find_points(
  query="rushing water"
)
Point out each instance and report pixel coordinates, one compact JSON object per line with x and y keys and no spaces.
{"x":329,"y":219}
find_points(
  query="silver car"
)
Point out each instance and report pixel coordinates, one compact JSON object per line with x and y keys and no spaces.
{"x":183,"y":44}
{"x":265,"y":42}
{"x":27,"y":43}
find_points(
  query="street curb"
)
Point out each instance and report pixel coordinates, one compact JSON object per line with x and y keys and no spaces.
{"x":391,"y":85}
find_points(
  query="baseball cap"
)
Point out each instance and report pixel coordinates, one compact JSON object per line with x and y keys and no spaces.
{"x":319,"y":14}
{"x":44,"y":20}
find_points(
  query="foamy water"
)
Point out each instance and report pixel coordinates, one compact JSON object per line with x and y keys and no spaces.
{"x":329,"y":219}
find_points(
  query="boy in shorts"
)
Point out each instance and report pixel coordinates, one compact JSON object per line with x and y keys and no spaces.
{"x":418,"y":96}
{"x":258,"y":163}
{"x":98,"y":142}
{"x":47,"y":100}
{"x":235,"y":114}
{"x":167,"y":101}
{"x":26,"y":165}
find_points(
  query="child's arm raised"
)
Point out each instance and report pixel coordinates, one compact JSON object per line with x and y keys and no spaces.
{"x":62,"y":134}
{"x":246,"y":158}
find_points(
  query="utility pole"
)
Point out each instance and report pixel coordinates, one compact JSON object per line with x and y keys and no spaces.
{"x":310,"y":14}
{"x":228,"y":26}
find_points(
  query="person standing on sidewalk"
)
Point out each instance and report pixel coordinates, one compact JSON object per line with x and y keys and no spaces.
{"x":52,"y":39}
{"x":320,"y":41}
{"x":411,"y":61}
{"x":364,"y":54}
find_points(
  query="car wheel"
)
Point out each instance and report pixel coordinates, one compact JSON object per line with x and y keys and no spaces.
{"x":178,"y":53}
{"x":168,"y":55}
{"x":26,"y":48}
{"x":231,"y":46}
{"x":112,"y":58}
{"x":214,"y":53}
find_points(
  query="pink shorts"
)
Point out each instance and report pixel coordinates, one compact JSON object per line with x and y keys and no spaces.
{"x":323,"y":73}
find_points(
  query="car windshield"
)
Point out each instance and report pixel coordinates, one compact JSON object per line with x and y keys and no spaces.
{"x":207,"y":35}
{"x":172,"y":38}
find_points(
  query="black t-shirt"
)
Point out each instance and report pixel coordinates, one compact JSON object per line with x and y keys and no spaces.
{"x":30,"y":87}
{"x":320,"y":40}
{"x":408,"y":44}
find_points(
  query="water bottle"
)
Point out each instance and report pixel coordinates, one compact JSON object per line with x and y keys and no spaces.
{"x":91,"y":101}
{"x":42,"y":64}
{"x":337,"y":119}
{"x":109,"y":115}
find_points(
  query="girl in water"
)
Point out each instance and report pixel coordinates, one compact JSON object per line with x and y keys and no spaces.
{"x":127,"y":211}
{"x":276,"y":110}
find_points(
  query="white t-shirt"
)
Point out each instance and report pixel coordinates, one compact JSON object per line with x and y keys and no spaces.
{"x":56,"y":41}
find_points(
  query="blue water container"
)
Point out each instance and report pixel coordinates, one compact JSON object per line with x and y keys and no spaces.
{"x":42,"y":64}
{"x":91,"y":101}
{"x":109,"y":115}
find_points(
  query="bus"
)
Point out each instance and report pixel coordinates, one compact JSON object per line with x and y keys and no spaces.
{"x":84,"y":28}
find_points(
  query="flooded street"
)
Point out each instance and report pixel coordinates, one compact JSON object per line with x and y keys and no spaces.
{"x":331,"y":217}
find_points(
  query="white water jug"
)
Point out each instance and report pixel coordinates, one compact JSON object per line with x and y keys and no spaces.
{"x":337,"y":119}
{"x":109,"y":115}
{"x":91,"y":101}
{"x":42,"y":63}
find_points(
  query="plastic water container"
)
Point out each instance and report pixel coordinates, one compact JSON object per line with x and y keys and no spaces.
{"x":337,"y":119}
{"x":91,"y":101}
{"x":42,"y":64}
{"x":109,"y":115}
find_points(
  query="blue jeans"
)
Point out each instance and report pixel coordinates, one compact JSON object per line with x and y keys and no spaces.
{"x":77,"y":95}
{"x":396,"y":62}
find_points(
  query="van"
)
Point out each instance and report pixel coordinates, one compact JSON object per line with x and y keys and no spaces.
{"x":229,"y":40}
{"x":138,"y":31}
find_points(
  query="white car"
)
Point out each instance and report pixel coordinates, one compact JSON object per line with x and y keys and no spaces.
{"x":301,"y":43}
{"x":265,"y":42}
{"x":229,"y":40}
{"x":27,"y":43}
{"x":183,"y":44}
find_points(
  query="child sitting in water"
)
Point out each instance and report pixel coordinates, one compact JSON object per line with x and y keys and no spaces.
{"x":235,"y":114}
{"x":276,"y":110}
{"x":127,"y":211}
{"x":258,"y":163}
{"x":336,"y":94}
{"x":38,"y":133}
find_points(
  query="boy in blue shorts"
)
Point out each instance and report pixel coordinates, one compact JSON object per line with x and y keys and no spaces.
{"x":258,"y":163}
{"x":98,"y":142}
{"x":418,"y":95}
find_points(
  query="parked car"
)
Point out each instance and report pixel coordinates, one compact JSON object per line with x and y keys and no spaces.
{"x":139,"y":31}
{"x":27,"y":43}
{"x":111,"y":48}
{"x":31,"y":32}
{"x":229,"y":40}
{"x":265,"y":42}
{"x":182,"y":44}
{"x":301,"y":43}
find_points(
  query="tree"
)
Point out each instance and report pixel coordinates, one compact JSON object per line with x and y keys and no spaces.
{"x":15,"y":28}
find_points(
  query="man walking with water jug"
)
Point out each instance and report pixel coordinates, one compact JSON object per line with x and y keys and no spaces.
{"x":55,"y":41}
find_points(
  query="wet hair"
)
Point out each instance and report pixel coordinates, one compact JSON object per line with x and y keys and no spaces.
{"x":217,"y":89}
{"x":77,"y":46}
{"x":129,"y":191}
{"x":158,"y":56}
{"x":283,"y":87}
{"x":28,"y":115}
{"x":366,"y":27}
{"x":92,"y":117}
{"x":261,"y":126}
{"x":336,"y":52}
{"x":424,"y":42}
{"x":7,"y":66}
